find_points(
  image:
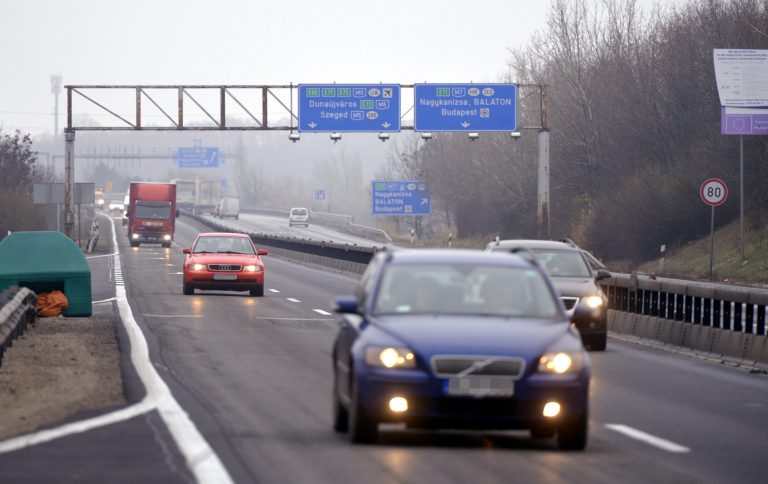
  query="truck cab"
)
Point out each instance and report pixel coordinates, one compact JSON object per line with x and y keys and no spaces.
{"x":152,"y":213}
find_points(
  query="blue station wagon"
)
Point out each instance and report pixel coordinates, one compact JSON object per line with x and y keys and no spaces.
{"x":459,"y":339}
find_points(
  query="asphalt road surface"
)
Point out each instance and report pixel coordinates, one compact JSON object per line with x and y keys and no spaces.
{"x":255,"y":376}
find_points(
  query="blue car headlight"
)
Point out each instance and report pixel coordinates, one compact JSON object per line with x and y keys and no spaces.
{"x":390,"y":357}
{"x":561,"y":363}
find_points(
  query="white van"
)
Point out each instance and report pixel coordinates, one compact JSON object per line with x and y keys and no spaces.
{"x":298,"y":216}
{"x":228,"y":207}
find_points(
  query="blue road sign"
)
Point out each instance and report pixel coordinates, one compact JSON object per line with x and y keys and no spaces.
{"x":349,"y":107}
{"x":465,"y":107}
{"x":320,"y":194}
{"x":197,"y":157}
{"x":400,"y":198}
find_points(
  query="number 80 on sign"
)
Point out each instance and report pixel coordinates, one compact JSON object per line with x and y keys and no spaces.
{"x":713,"y":192}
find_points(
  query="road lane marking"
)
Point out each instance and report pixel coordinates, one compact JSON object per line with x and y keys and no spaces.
{"x":198,"y":454}
{"x":292,"y":299}
{"x":324,"y":313}
{"x":100,"y":255}
{"x":104,"y":300}
{"x":173,"y":315}
{"x":649,"y":439}
{"x":291,"y":319}
{"x":273,"y":290}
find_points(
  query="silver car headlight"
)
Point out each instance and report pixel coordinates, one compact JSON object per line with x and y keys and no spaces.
{"x":390,"y":357}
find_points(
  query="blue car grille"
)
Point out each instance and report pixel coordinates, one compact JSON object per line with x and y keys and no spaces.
{"x":446,"y":366}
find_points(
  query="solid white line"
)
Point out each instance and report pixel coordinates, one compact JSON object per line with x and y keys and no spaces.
{"x":173,"y":315}
{"x":324,"y":313}
{"x":292,"y":299}
{"x":100,"y":255}
{"x":273,"y":290}
{"x":649,"y":439}
{"x":200,"y":457}
{"x":103,"y":301}
{"x":290,"y":319}
{"x":81,"y":426}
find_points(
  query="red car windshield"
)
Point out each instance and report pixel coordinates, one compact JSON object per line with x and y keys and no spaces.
{"x":223,"y":244}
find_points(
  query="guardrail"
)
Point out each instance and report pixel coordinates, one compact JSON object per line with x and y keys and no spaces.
{"x":346,"y":257}
{"x":17,"y":312}
{"x":710,"y":318}
{"x":336,"y":220}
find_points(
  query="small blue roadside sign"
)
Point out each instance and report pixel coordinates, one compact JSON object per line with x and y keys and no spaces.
{"x":320,"y":194}
{"x":197,"y":157}
{"x":349,"y":107}
{"x":465,"y":107}
{"x":400,"y":198}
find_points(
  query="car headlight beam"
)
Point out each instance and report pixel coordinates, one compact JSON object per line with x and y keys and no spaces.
{"x":198,"y":267}
{"x":560,"y":363}
{"x":594,"y":302}
{"x":252,"y":268}
{"x":390,"y":357}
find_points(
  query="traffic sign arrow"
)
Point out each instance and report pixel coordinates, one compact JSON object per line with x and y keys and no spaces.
{"x":386,"y":125}
{"x":312,"y":125}
{"x":465,"y":125}
{"x":425,"y":201}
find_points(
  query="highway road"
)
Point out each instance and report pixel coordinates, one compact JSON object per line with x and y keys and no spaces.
{"x":254,"y":374}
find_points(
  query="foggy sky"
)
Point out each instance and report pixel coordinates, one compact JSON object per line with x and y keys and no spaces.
{"x":249,"y":42}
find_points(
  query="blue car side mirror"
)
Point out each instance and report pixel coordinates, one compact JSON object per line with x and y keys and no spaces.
{"x":345,"y":305}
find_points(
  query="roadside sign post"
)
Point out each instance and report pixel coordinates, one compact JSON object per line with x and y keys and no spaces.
{"x":713,"y":192}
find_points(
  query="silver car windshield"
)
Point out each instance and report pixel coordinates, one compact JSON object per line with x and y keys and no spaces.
{"x":559,"y":263}
{"x":464,"y":289}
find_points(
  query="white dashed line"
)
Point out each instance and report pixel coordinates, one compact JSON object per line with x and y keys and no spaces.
{"x":649,"y":439}
{"x":173,"y":315}
{"x":324,"y":313}
{"x":292,"y":299}
{"x":273,"y":290}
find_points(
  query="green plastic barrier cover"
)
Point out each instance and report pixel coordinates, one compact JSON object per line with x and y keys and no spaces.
{"x":45,"y":261}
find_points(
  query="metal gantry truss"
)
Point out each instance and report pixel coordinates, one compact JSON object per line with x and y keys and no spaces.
{"x":270,"y":99}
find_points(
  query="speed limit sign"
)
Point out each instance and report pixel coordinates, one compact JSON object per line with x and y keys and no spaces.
{"x":713,"y":192}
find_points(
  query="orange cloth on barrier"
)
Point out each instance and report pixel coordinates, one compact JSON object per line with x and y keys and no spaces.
{"x":51,"y":303}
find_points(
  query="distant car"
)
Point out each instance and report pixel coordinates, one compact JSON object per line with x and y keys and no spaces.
{"x":575,"y":278}
{"x":459,"y":339}
{"x":224,"y":262}
{"x":126,"y":203}
{"x":115,"y":207}
{"x":298,"y":216}
{"x":100,"y":203}
{"x":228,"y":207}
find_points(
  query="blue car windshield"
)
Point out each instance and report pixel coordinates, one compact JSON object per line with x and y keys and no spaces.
{"x":464,"y":289}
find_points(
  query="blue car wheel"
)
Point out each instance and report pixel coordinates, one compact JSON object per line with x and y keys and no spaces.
{"x":340,"y":414}
{"x":362,"y":428}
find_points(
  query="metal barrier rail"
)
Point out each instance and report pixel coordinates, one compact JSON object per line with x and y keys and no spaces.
{"x":17,"y":312}
{"x":733,"y":309}
{"x":345,"y":252}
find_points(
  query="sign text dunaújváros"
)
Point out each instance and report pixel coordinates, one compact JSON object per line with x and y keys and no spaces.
{"x":407,"y":197}
{"x":465,"y":107}
{"x":349,"y":107}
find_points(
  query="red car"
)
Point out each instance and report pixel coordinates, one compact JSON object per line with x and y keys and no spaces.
{"x":224,"y":262}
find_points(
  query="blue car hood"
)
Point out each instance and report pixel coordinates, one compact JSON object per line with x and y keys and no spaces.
{"x":472,"y":335}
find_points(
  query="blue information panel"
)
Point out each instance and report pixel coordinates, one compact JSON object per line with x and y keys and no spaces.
{"x":465,"y":107}
{"x":349,"y":107}
{"x":400,"y":198}
{"x":320,"y":194}
{"x":197,"y":157}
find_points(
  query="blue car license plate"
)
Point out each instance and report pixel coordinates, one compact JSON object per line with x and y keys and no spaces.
{"x":479,"y":386}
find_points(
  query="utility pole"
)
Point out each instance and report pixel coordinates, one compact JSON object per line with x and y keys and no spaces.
{"x":543,"y":185}
{"x":56,"y":90}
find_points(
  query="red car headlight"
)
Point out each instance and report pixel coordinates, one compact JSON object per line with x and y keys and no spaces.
{"x":252,"y":268}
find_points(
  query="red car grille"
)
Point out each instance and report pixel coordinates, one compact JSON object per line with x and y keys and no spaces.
{"x":225,"y":267}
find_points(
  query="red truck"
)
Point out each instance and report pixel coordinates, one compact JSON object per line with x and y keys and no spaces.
{"x":151,"y":213}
